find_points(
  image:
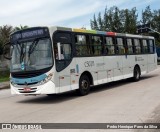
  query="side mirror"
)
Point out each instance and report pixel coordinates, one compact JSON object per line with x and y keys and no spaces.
{"x":7,"y":51}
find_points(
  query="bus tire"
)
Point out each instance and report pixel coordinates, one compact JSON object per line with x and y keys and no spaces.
{"x":84,"y":85}
{"x":136,"y":74}
{"x":50,"y":95}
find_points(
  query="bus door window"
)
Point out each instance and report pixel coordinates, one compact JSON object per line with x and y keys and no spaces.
{"x":62,"y":50}
{"x":56,"y":54}
{"x":109,"y":46}
{"x":96,"y":45}
{"x":66,"y":51}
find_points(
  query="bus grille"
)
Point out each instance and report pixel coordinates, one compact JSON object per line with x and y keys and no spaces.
{"x":21,"y":90}
{"x":27,"y":84}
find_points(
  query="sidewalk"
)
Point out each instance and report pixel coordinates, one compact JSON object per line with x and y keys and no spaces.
{"x":4,"y":85}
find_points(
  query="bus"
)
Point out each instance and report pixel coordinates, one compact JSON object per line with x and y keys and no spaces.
{"x":53,"y":60}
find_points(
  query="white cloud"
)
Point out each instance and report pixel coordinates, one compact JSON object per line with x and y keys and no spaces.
{"x":17,"y":7}
{"x":40,"y":12}
{"x":55,"y":12}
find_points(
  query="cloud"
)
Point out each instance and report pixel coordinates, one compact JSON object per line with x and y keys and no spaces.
{"x":17,"y":7}
{"x":55,"y":12}
{"x":48,"y":12}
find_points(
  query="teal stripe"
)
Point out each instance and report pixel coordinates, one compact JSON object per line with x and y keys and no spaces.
{"x":77,"y":68}
{"x":28,"y":80}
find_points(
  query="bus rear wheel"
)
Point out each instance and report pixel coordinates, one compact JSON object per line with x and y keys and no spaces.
{"x":84,"y":85}
{"x":136,"y":74}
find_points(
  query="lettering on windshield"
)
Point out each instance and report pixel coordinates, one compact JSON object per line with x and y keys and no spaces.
{"x":29,"y":34}
{"x":32,"y":33}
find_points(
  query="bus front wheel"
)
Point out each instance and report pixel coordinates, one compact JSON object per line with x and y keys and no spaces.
{"x":84,"y":85}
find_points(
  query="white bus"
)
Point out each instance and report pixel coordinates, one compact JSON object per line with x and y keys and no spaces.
{"x":52,"y":60}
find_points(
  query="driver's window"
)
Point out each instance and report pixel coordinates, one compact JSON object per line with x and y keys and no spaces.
{"x":62,"y":50}
{"x":56,"y":53}
{"x":65,"y":52}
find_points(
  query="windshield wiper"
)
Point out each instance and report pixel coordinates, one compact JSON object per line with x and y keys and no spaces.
{"x":21,"y":52}
{"x":33,"y":46}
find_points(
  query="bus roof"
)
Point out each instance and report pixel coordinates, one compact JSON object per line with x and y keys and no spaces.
{"x":54,"y":28}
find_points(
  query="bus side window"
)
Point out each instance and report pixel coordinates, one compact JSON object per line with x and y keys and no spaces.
{"x":109,"y":46}
{"x":82,"y":45}
{"x":96,"y":45}
{"x":137,"y":46}
{"x":144,"y":46}
{"x":129,"y":46}
{"x":151,"y":46}
{"x":120,"y":46}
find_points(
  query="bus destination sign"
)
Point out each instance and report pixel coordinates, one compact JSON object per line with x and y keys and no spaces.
{"x":31,"y":33}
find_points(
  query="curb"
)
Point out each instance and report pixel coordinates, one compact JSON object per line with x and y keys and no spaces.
{"x":5,"y":87}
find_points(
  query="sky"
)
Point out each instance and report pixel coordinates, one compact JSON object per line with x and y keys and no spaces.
{"x":66,"y":13}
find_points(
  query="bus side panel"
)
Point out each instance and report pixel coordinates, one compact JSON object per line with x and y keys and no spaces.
{"x":110,"y":65}
{"x":144,"y":64}
{"x":141,"y":60}
{"x":93,"y":65}
{"x":75,"y":75}
{"x":132,"y":62}
{"x":127,"y":68}
{"x":69,"y":77}
{"x":118,"y":68}
{"x":152,"y":62}
{"x":101,"y":73}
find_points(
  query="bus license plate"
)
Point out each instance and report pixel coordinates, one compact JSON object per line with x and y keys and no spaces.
{"x":27,"y":89}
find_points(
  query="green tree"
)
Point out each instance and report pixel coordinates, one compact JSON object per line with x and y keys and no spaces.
{"x":147,"y":15}
{"x":94,"y":24}
{"x":117,"y":22}
{"x":100,"y":22}
{"x":156,"y":20}
{"x":132,"y":21}
{"x":126,"y":21}
{"x":106,"y":20}
{"x":156,"y":25}
{"x":20,"y":28}
{"x":110,"y":19}
{"x":5,"y":32}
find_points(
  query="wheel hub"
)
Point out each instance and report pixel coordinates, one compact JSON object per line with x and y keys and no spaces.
{"x":84,"y":84}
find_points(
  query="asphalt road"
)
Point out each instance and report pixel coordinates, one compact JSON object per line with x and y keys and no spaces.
{"x":118,"y":102}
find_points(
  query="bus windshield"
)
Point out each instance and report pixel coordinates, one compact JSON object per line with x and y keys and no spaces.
{"x":32,"y":55}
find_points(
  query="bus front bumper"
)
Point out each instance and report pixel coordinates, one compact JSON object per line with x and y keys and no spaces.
{"x":47,"y":88}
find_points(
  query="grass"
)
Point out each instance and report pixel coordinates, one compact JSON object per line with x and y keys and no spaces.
{"x":4,"y":76}
{"x":5,"y":79}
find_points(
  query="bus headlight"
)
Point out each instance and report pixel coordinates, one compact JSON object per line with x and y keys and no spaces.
{"x":49,"y":77}
{"x":13,"y":83}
